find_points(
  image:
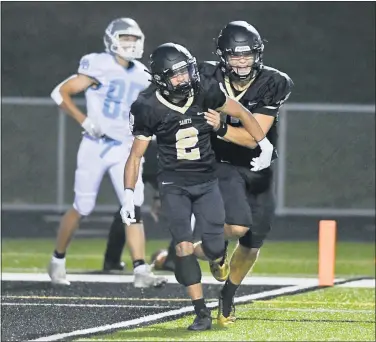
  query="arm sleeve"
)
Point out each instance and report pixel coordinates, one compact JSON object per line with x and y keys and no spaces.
{"x":276,"y":92}
{"x":142,"y":121}
{"x":90,"y":66}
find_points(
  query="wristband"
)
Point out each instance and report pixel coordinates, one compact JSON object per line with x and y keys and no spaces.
{"x":222,"y":130}
{"x":129,"y":189}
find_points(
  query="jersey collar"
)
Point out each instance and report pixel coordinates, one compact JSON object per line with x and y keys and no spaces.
{"x":230,"y":91}
{"x":170,"y":105}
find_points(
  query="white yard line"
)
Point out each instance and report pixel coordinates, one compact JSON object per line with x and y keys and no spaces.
{"x":89,"y":305}
{"x":116,"y":299}
{"x":364,"y":283}
{"x":296,"y":284}
{"x":155,"y":317}
{"x":114,"y":278}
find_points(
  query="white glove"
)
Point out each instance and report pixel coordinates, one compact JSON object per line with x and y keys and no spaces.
{"x":127,"y":210}
{"x":91,"y":128}
{"x":265,"y":158}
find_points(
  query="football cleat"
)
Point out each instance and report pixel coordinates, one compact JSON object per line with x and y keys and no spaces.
{"x":113,"y":266}
{"x":203,"y":321}
{"x":222,"y":320}
{"x":56,"y":271}
{"x":144,"y":277}
{"x":220,"y":272}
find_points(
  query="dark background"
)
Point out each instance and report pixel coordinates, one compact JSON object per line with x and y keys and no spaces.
{"x":327,"y":48}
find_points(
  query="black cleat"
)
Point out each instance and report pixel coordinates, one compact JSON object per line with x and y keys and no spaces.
{"x":203,"y":321}
{"x":113,"y":266}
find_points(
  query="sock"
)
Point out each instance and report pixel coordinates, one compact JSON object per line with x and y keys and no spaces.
{"x":58,"y":255}
{"x":228,"y":293}
{"x":171,"y":250}
{"x":223,"y":259}
{"x":199,"y":304}
{"x":138,"y":262}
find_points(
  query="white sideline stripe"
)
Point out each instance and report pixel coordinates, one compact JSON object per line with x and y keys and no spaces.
{"x":90,"y":305}
{"x":115,"y":278}
{"x":364,"y":283}
{"x":155,"y":317}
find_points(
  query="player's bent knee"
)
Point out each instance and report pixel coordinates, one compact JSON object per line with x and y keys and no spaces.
{"x":187,"y":270}
{"x":238,"y":231}
{"x":213,"y":246}
{"x":184,"y":248}
{"x":84,"y":204}
{"x":252,"y":241}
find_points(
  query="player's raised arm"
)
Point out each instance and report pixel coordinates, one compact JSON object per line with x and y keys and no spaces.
{"x":237,"y":135}
{"x":235,"y":109}
{"x":216,"y":98}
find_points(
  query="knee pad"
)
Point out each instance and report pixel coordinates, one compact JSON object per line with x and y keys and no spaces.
{"x":187,"y":270}
{"x":250,"y":240}
{"x":84,"y":204}
{"x":213,"y":245}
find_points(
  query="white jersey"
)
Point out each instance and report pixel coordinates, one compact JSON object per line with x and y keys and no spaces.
{"x":109,"y":103}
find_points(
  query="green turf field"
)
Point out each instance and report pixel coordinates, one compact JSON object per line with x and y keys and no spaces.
{"x":336,"y":314}
{"x":331,"y":314}
{"x":276,"y":258}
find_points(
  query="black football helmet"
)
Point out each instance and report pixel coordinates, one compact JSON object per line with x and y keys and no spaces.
{"x":238,"y":38}
{"x":169,"y":60}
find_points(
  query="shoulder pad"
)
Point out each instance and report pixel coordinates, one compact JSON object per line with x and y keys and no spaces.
{"x":276,"y":74}
{"x":140,"y":65}
{"x":208,"y":68}
{"x":91,"y":64}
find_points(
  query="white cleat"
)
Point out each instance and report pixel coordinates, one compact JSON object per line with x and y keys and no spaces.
{"x":57,"y":272}
{"x":144,"y":277}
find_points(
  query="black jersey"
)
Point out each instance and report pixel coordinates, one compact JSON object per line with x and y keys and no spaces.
{"x":185,"y":155}
{"x":265,"y":95}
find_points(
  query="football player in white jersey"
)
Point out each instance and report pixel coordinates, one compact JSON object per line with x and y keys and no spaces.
{"x":112,"y":81}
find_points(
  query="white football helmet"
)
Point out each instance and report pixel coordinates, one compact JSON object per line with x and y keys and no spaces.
{"x":128,"y":50}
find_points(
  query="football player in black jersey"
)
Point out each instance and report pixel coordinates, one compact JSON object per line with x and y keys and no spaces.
{"x":174,"y":110}
{"x":248,"y":196}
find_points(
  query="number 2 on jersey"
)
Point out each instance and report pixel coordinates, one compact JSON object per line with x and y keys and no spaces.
{"x":186,"y":138}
